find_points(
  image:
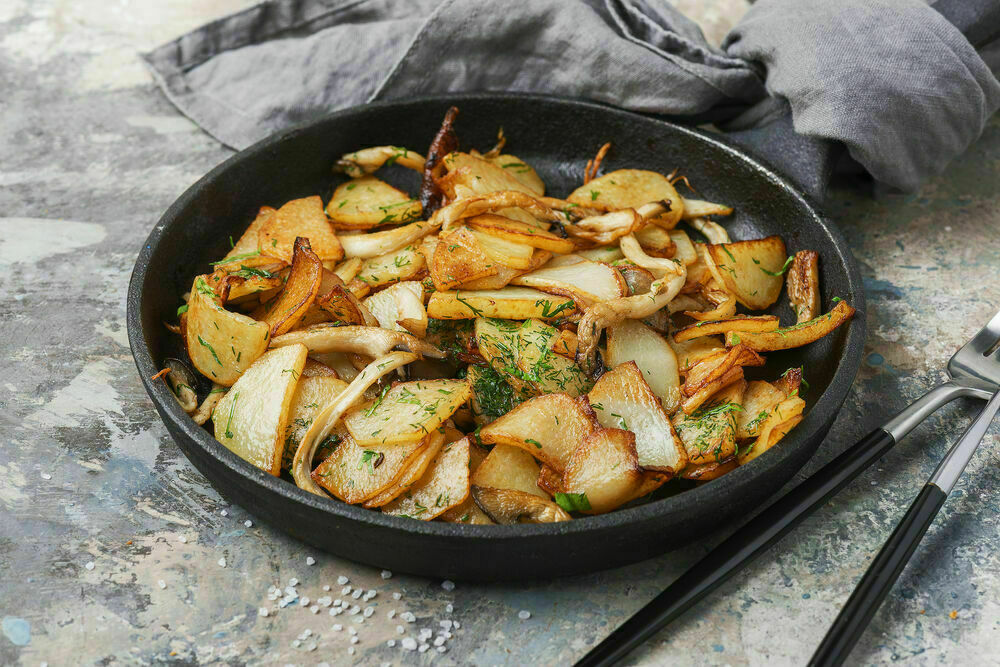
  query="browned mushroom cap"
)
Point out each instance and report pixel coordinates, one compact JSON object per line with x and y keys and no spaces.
{"x":507,"y":506}
{"x":371,"y":341}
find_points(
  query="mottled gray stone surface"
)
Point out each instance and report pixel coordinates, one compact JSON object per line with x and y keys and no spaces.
{"x":92,"y":154}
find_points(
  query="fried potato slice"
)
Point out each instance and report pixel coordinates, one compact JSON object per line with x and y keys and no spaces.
{"x":403,"y":301}
{"x":355,"y":473}
{"x":513,"y":303}
{"x":468,"y":511}
{"x":631,"y":340}
{"x":541,"y":368}
{"x":367,"y":202}
{"x":750,"y":270}
{"x":342,"y":307}
{"x":656,"y":241}
{"x":520,"y":170}
{"x":499,"y":343}
{"x":706,"y":472}
{"x":415,"y":469}
{"x":709,"y":433}
{"x":312,"y":394}
{"x":564,"y":344}
{"x":712,"y":368}
{"x":407,"y":412}
{"x":754,"y":323}
{"x":803,"y":285}
{"x":299,"y":293}
{"x":605,"y":467}
{"x":622,"y":399}
{"x":375,"y":244}
{"x":249,"y":243}
{"x":508,"y":467}
{"x":549,"y":481}
{"x":759,"y":399}
{"x":509,"y":253}
{"x":369,"y":160}
{"x":548,"y":427}
{"x":443,"y":486}
{"x":221,"y":344}
{"x":796,"y":335}
{"x":348,"y":269}
{"x":631,"y":188}
{"x":691,"y":352}
{"x":505,"y":274}
{"x":299,"y":217}
{"x":605,"y":254}
{"x":479,"y":177}
{"x":250,"y":419}
{"x":697,"y":208}
{"x":403,"y":264}
{"x":459,"y":258}
{"x":585,"y":282}
{"x":520,"y":232}
{"x":769,"y":439}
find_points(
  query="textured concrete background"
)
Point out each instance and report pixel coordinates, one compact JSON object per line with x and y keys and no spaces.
{"x":91,"y":154}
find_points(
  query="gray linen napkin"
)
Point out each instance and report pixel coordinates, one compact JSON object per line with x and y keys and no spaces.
{"x":895,"y":81}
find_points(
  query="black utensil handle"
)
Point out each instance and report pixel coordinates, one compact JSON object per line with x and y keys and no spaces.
{"x":879,"y":579}
{"x":739,"y":549}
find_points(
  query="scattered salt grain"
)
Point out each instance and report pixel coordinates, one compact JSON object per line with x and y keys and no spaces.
{"x":449,"y":608}
{"x":296,"y":643}
{"x":354,"y":640}
{"x":352,"y":631}
{"x":182,"y":539}
{"x":293,"y":582}
{"x":438,"y":641}
{"x":391,"y":643}
{"x":262,"y":611}
{"x":314,"y":609}
{"x":342,"y":580}
{"x":399,"y":630}
{"x":89,"y":565}
{"x":442,"y":649}
{"x":448,"y":585}
{"x":425,"y":633}
{"x":304,"y":601}
{"x":325,"y":601}
{"x":397,"y":596}
{"x":457,"y":626}
{"x":346,"y":590}
{"x":306,"y":633}
{"x":524,"y":614}
{"x":445,"y":624}
{"x":311,"y":646}
{"x":423,"y":648}
{"x":326,"y":587}
{"x":350,"y":650}
{"x":408,"y":616}
{"x":310,"y":560}
{"x":46,"y":476}
{"x":359,"y":619}
{"x":369,"y":611}
{"x":358,"y":593}
{"x":248,"y":523}
{"x":409,"y":643}
{"x":391,"y":613}
{"x":224,"y":513}
{"x":161,"y":583}
{"x":386,"y":574}
{"x":337,"y":627}
{"x":222,"y":562}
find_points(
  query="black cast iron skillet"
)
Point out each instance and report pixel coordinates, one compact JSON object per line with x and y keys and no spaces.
{"x":556,"y":136}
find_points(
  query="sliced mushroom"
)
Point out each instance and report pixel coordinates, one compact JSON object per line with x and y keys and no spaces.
{"x":712,"y":231}
{"x":507,"y":506}
{"x":182,"y":382}
{"x":368,"y":160}
{"x":207,"y":407}
{"x":372,"y":341}
{"x":326,"y":420}
{"x":374,"y":244}
{"x":444,"y":142}
{"x":803,"y":285}
{"x":447,"y":217}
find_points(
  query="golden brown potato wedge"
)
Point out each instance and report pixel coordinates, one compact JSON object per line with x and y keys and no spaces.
{"x":220,"y":343}
{"x":284,"y":313}
{"x":754,"y":323}
{"x":691,"y":352}
{"x":706,"y":472}
{"x":407,"y":412}
{"x":367,"y":202}
{"x":509,"y":253}
{"x":630,"y":188}
{"x":632,"y":340}
{"x":414,"y":471}
{"x":459,"y":258}
{"x":348,"y":269}
{"x":508,"y":467}
{"x":250,"y":419}
{"x":468,"y":511}
{"x":796,"y":335}
{"x":498,"y":341}
{"x":564,"y":344}
{"x":403,"y":264}
{"x":514,"y":303}
{"x":248,"y":244}
{"x":548,"y":427}
{"x":471,"y":175}
{"x":691,"y":403}
{"x":622,"y":399}
{"x":520,"y":232}
{"x":299,"y":217}
{"x":505,"y":274}
{"x":759,"y":399}
{"x":540,"y":367}
{"x":605,"y":469}
{"x":549,"y":481}
{"x":710,"y":369}
{"x":769,"y":439}
{"x":443,"y":486}
{"x":709,"y":433}
{"x":803,"y":285}
{"x":585,"y":282}
{"x":750,"y":270}
{"x":354,"y":474}
{"x":520,"y":170}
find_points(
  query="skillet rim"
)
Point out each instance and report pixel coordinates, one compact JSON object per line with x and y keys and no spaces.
{"x":814,"y":426}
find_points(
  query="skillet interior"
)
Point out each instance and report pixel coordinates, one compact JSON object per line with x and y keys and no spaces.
{"x":556,"y":136}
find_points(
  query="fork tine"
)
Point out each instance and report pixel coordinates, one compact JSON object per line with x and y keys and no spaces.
{"x":985,"y":341}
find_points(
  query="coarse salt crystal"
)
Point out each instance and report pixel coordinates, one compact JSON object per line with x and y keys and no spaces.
{"x":457,"y":626}
{"x":293,"y":582}
{"x":391,"y":643}
{"x":350,"y":650}
{"x":262,"y":611}
{"x":397,"y":596}
{"x":311,"y":646}
{"x":354,"y":640}
{"x":449,"y":608}
{"x":248,"y":523}
{"x":304,"y":602}
{"x":89,"y":565}
{"x":337,"y":627}
{"x":346,"y":590}
{"x":442,"y":649}
{"x":524,"y":614}
{"x":161,"y":583}
{"x":409,"y":643}
{"x":438,"y":641}
{"x":222,"y":562}
{"x":399,"y":630}
{"x":358,"y":593}
{"x":306,"y":633}
{"x":296,"y":643}
{"x":408,"y":616}
{"x":182,"y":539}
{"x":369,"y":611}
{"x":342,"y":580}
{"x":352,"y":631}
{"x":386,"y":574}
{"x":326,"y":587}
{"x":359,"y":619}
{"x":448,"y":585}
{"x":310,"y":560}
{"x":224,"y":513}
{"x":314,"y":609}
{"x":325,"y":601}
{"x":423,"y":648}
{"x":46,"y":475}
{"x":392,"y":612}
{"x":445,"y":624}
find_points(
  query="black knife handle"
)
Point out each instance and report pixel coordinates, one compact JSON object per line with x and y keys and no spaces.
{"x":739,"y":549}
{"x":879,"y":579}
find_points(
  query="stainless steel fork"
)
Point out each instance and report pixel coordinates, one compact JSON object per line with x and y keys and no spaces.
{"x":974,"y":366}
{"x":972,"y":371}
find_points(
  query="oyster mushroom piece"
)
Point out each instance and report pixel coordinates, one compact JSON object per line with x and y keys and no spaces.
{"x":370,"y":341}
{"x":507,"y":506}
{"x":368,"y":160}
